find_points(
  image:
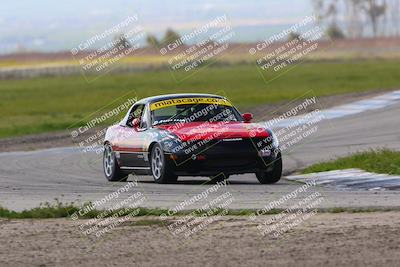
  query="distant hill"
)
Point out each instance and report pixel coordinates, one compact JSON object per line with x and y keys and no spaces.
{"x":50,"y":26}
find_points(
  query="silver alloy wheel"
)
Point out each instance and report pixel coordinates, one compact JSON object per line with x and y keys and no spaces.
{"x":157,"y":162}
{"x":108,"y":159}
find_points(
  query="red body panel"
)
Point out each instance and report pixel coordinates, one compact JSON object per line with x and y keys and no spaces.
{"x":215,"y":130}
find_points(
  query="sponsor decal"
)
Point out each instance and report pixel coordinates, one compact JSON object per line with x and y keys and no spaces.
{"x":189,"y":100}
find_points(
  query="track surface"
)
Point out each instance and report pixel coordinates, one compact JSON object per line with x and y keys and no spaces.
{"x":30,"y":178}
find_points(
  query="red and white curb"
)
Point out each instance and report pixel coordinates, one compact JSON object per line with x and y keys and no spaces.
{"x":351,"y":179}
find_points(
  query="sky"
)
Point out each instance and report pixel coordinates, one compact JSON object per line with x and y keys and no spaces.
{"x":49,"y":25}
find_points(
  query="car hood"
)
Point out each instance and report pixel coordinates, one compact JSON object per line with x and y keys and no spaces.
{"x":215,"y":130}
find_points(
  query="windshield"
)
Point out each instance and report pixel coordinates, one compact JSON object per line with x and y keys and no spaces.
{"x":194,"y":113}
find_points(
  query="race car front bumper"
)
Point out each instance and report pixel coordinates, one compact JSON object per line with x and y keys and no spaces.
{"x":223,"y":157}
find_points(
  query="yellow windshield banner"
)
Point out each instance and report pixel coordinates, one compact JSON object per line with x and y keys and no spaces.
{"x":189,"y":100}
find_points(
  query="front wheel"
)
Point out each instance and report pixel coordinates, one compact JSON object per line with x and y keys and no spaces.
{"x":272,"y":176}
{"x":160,"y":168}
{"x":110,"y":166}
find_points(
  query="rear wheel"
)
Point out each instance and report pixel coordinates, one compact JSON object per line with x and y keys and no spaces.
{"x":160,"y":168}
{"x":111,"y":168}
{"x":272,"y":176}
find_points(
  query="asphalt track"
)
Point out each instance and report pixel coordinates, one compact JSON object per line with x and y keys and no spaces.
{"x":30,"y":178}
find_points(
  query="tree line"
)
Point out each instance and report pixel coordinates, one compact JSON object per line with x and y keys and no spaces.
{"x":359,"y":18}
{"x":340,"y":18}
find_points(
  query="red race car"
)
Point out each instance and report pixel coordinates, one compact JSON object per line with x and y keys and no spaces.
{"x":190,"y":135}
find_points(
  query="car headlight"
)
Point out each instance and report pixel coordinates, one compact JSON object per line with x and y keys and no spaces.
{"x":171,"y":143}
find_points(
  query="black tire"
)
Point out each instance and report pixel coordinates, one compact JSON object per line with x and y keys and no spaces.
{"x":272,"y":176}
{"x":160,"y":167}
{"x":111,"y":169}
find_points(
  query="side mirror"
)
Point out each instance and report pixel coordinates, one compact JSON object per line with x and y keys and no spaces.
{"x":136,"y":123}
{"x":247,"y":117}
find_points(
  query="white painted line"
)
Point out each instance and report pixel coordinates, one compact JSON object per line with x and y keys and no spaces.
{"x":360,"y":106}
{"x":355,"y":179}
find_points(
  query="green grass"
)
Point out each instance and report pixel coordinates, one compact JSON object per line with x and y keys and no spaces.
{"x":378,"y":161}
{"x":55,"y":103}
{"x":60,"y":210}
{"x":44,"y":211}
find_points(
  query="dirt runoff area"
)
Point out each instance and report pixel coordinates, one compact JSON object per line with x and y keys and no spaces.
{"x":340,"y":239}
